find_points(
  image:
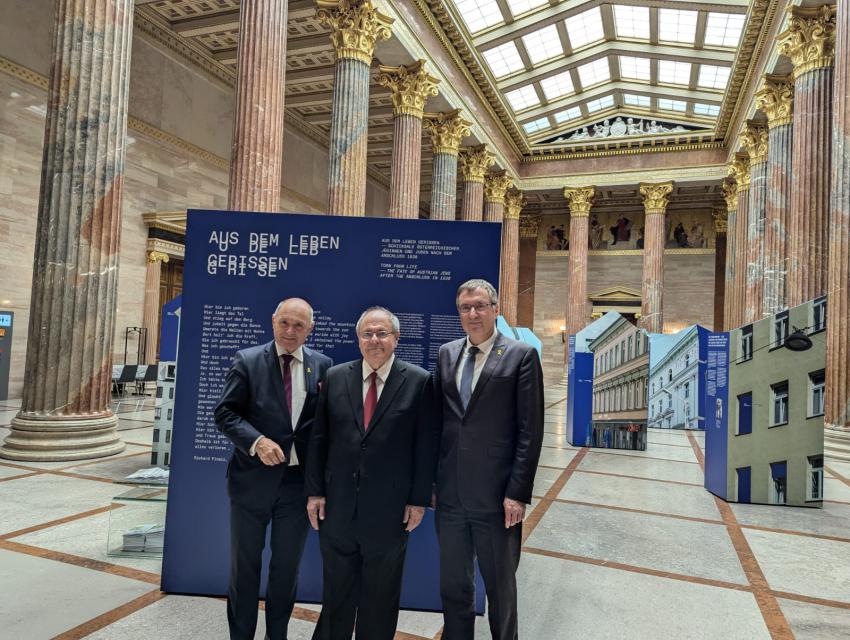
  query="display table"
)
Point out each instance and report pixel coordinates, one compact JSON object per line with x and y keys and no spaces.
{"x":137,"y":524}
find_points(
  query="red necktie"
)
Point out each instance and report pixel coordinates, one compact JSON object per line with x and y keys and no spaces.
{"x":287,"y":380}
{"x":371,"y":400}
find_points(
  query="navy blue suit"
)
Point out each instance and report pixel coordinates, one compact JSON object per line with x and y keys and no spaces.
{"x":253,"y":404}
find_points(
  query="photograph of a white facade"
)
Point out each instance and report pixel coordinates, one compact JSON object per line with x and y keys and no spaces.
{"x":674,"y":381}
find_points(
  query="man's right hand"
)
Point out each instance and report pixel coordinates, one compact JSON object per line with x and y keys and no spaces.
{"x":270,"y":452}
{"x":315,"y":510}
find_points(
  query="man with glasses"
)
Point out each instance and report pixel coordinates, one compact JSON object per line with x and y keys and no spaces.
{"x":266,"y":410}
{"x":369,"y":477}
{"x":490,"y":393}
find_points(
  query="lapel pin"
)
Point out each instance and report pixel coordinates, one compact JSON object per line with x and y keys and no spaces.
{"x":309,"y":370}
{"x":499,"y":351}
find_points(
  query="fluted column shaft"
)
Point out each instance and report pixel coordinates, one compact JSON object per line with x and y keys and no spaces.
{"x":474,"y":163}
{"x":152,"y":303}
{"x":837,"y":416}
{"x":257,"y":147}
{"x":652,"y":303}
{"x":580,"y":200}
{"x":406,"y":166}
{"x":509,"y":274}
{"x":741,"y":232}
{"x":444,"y":186}
{"x":755,"y":242}
{"x":776,"y":218}
{"x":730,"y":270}
{"x":65,"y":413}
{"x":472,"y":206}
{"x":494,"y":210}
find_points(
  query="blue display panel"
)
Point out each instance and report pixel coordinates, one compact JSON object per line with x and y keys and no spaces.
{"x":238,"y":267}
{"x":5,"y":319}
{"x":579,"y":396}
{"x":717,"y":413}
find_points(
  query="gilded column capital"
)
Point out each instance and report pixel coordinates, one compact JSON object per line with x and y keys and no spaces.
{"x":356,"y":26}
{"x":721,"y":221}
{"x":474,"y":162}
{"x":754,"y":139}
{"x":447,"y":130}
{"x":495,"y":187}
{"x":739,"y":171}
{"x":776,"y":99}
{"x":656,"y":196}
{"x":809,"y":39}
{"x":514,"y":202}
{"x":529,"y":226}
{"x":730,"y":194}
{"x":157,"y":256}
{"x":410,"y":85}
{"x":580,"y":199}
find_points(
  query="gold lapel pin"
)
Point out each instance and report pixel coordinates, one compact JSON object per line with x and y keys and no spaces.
{"x":309,"y":370}
{"x":499,"y":351}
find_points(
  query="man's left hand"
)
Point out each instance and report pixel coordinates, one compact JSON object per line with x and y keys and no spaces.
{"x":412,"y":517}
{"x":514,"y":512}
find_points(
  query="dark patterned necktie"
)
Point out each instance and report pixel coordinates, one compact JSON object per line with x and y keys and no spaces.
{"x":371,"y":400}
{"x":466,"y":376}
{"x":287,"y":380}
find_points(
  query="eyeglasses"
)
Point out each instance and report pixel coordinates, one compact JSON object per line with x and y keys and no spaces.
{"x":381,"y":335}
{"x":479,"y":308}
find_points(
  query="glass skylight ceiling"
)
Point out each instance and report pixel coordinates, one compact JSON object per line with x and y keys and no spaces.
{"x":556,"y":64}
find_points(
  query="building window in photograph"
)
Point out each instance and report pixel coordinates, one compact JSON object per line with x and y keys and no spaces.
{"x":780,"y":329}
{"x":686,"y":391}
{"x":778,"y":482}
{"x":743,"y":481}
{"x":816,"y":393}
{"x":814,"y":483}
{"x":819,"y":314}
{"x":747,"y":343}
{"x":745,"y":413}
{"x":779,"y":414}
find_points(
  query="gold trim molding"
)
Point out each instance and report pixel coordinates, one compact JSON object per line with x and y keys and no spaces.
{"x":514,"y":202}
{"x":754,"y":139}
{"x":171,"y":249}
{"x":631,"y":252}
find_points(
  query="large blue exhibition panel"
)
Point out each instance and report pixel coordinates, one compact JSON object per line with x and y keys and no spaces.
{"x":238,"y":266}
{"x":579,"y":395}
{"x":717,"y":412}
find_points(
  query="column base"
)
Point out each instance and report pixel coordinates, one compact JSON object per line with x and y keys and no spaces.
{"x":57,"y":439}
{"x":836,"y":445}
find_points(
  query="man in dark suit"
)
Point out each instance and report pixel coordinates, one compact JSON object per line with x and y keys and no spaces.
{"x":490,"y":393}
{"x":267,"y":409}
{"x":369,"y":477}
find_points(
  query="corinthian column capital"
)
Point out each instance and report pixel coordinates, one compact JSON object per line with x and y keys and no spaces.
{"x":410,"y":85}
{"x":514,"y":202}
{"x":656,"y":196}
{"x":776,"y":99}
{"x":447,"y":130}
{"x":356,"y":26}
{"x":495,"y":188}
{"x":474,"y":163}
{"x":580,"y":199}
{"x":721,"y":221}
{"x":157,"y":256}
{"x":809,"y":39}
{"x":730,"y":194}
{"x":739,"y":171}
{"x":754,"y":139}
{"x":529,"y":226}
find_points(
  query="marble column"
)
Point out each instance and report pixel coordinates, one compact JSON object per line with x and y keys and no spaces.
{"x":775,"y":98}
{"x":65,"y":412}
{"x":579,"y":200}
{"x":474,"y":162}
{"x":356,"y":26}
{"x":410,"y":85}
{"x":529,"y":227}
{"x":730,"y":194}
{"x":152,"y":304}
{"x":447,"y":130}
{"x":837,"y":416}
{"x":740,"y":170}
{"x":720,"y":248}
{"x":754,"y":139}
{"x":655,"y":199}
{"x":257,"y":144}
{"x":509,"y":273}
{"x":810,"y":43}
{"x":495,"y":188}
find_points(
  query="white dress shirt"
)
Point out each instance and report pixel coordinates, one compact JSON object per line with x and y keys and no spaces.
{"x":299,"y":393}
{"x":480,"y":358}
{"x":383,"y":373}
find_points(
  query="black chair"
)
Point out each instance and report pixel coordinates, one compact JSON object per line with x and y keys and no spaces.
{"x":151,"y":375}
{"x":128,"y":376}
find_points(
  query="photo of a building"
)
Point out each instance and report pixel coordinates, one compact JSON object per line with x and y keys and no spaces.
{"x":677,"y":369}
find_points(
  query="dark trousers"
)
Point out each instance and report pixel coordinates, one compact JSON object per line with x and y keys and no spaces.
{"x":465,"y":536}
{"x":361,"y":581}
{"x":287,"y":513}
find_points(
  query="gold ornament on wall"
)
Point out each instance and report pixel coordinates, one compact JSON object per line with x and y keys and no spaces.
{"x":809,"y":39}
{"x":474,"y":162}
{"x":356,"y":26}
{"x":447,"y":130}
{"x":496,"y":186}
{"x":580,"y":199}
{"x":410,"y":85}
{"x":776,"y":99}
{"x":754,"y":139}
{"x":656,"y":196}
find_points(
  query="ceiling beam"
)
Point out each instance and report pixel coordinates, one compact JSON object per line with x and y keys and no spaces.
{"x":311,"y":44}
{"x":229,"y":20}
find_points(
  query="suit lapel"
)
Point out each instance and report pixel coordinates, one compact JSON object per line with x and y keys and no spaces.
{"x":308,"y":366}
{"x":395,"y":381}
{"x":355,"y":393}
{"x":276,"y":375}
{"x":490,"y":365}
{"x":455,"y":351}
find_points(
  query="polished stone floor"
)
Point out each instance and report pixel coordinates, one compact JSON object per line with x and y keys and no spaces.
{"x":617,"y":545}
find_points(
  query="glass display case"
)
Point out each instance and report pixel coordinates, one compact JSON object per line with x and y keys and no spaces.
{"x":137,"y":522}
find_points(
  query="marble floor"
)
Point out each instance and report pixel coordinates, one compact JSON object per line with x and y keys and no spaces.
{"x":617,"y":545}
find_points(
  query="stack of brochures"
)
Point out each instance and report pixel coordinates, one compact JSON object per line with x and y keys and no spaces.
{"x":144,"y":538}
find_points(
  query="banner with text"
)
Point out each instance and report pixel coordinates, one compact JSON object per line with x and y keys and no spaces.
{"x":238,"y":267}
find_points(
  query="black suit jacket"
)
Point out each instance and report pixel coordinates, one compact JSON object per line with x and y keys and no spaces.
{"x":372,"y":474}
{"x":490,"y":451}
{"x":253,"y":403}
